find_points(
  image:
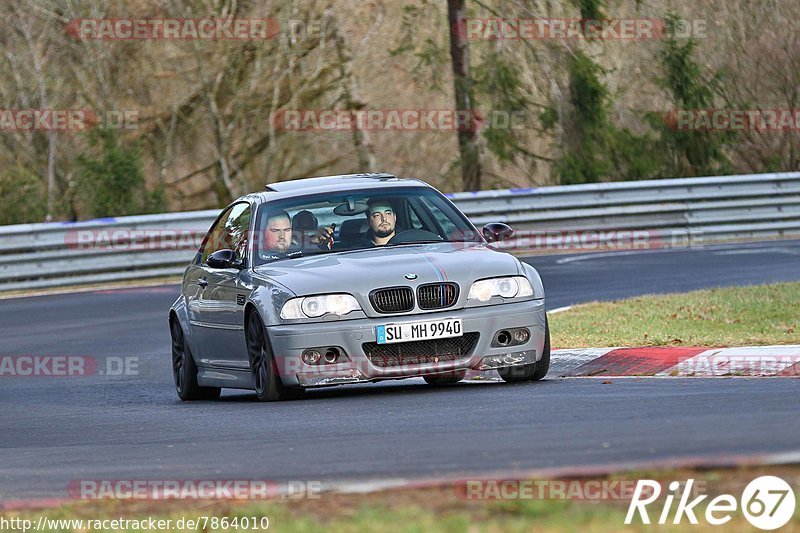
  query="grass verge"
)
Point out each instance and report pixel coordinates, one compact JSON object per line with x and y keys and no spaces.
{"x":735,"y":316}
{"x":440,"y":509}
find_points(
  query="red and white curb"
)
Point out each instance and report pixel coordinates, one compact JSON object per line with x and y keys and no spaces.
{"x":747,"y":361}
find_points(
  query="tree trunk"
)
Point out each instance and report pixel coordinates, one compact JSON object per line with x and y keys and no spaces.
{"x":44,"y":103}
{"x":467,"y":134}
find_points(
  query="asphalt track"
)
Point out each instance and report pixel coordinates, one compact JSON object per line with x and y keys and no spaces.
{"x":55,"y":430}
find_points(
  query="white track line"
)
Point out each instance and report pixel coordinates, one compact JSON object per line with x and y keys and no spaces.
{"x":78,"y":290}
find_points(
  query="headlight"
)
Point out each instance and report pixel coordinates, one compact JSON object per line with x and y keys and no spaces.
{"x":317,"y":306}
{"x":510,"y":287}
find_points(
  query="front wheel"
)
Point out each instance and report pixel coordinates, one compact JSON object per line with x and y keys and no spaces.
{"x":266,"y":381}
{"x":543,"y":365}
{"x":184,"y":369}
{"x":534,"y":371}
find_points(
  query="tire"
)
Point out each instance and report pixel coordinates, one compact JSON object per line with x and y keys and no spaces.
{"x":266,"y":381}
{"x":184,"y":369}
{"x":445,"y":379}
{"x":543,"y":365}
{"x":534,"y":371}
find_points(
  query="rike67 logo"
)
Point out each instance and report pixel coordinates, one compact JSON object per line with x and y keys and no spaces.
{"x":768,"y":502}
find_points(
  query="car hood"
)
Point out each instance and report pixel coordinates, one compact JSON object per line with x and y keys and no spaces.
{"x":359,"y":272}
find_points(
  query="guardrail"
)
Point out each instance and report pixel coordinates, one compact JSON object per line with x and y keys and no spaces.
{"x":640,"y":214}
{"x":689,"y":211}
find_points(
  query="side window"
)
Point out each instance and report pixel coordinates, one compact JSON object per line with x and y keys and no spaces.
{"x":230,"y":233}
{"x":214,"y":237}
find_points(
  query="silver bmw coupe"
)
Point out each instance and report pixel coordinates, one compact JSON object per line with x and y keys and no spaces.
{"x":351,"y":279}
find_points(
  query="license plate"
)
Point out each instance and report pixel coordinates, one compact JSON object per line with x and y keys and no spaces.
{"x":419,"y":331}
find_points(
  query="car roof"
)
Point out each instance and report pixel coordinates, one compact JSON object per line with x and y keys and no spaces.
{"x":337,"y":183}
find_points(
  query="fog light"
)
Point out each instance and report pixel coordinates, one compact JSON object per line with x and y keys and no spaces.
{"x":331,"y":356}
{"x":311,"y":357}
{"x":503,"y":338}
{"x":522,"y":336}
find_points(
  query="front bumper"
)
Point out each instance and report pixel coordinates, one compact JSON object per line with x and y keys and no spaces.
{"x":289,"y":342}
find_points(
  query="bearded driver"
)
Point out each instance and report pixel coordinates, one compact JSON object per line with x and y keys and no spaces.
{"x":382,"y":220}
{"x":278,"y":237}
{"x":382,"y":223}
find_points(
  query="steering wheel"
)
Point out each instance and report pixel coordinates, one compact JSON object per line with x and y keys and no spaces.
{"x":414,"y":235}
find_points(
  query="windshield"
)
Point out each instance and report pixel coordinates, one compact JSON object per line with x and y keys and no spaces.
{"x":353,"y":220}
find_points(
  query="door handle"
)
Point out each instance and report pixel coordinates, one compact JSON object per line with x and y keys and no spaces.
{"x":202,"y":282}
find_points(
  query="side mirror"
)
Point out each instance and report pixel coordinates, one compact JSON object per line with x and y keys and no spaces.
{"x":497,"y":231}
{"x":224,"y":259}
